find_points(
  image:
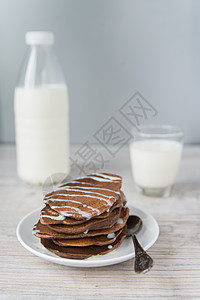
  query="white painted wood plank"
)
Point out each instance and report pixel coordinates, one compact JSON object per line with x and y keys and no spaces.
{"x":175,"y":275}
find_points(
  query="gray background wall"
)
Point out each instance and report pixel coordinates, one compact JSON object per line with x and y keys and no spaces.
{"x":109,"y":49}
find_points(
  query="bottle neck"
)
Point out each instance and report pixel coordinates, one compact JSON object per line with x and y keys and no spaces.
{"x":41,"y":47}
{"x":40,"y":67}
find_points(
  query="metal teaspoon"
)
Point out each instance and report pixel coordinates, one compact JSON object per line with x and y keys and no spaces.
{"x":143,"y":262}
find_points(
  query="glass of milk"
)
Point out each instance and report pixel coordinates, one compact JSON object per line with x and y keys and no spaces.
{"x":155,"y":154}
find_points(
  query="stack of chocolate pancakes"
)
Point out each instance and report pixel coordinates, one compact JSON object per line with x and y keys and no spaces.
{"x":84,"y":217}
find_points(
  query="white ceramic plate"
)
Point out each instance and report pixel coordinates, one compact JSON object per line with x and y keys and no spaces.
{"x":147,"y":237}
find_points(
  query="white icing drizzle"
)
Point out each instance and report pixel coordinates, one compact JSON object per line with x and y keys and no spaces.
{"x":68,"y":213}
{"x":35,"y":230}
{"x":107,"y":176}
{"x":111,"y":235}
{"x":85,"y":232}
{"x":78,"y":190}
{"x":77,"y":195}
{"x":69,"y":187}
{"x":56,"y":218}
{"x":110,"y":246}
{"x":84,"y":205}
{"x":75,"y":181}
{"x":120,"y":221}
{"x":100,"y":179}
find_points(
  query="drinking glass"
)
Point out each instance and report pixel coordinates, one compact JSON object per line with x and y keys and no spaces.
{"x":155,"y":154}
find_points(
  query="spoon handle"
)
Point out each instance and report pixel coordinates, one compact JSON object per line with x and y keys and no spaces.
{"x":143,"y":262}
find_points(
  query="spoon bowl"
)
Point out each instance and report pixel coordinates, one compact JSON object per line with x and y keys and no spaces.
{"x":134,"y":224}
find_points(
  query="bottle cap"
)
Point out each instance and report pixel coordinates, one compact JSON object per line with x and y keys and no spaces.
{"x":39,"y":38}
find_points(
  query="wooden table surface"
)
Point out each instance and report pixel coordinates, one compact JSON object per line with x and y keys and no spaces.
{"x":175,"y":275}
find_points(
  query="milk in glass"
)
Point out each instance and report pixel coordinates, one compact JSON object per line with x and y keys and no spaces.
{"x":155,"y":162}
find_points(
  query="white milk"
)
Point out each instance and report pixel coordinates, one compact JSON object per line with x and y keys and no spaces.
{"x":42,"y":137}
{"x":155,"y":162}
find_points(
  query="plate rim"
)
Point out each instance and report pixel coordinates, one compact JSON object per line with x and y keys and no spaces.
{"x":84,"y":263}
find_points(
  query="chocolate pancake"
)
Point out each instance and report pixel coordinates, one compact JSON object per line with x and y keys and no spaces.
{"x":82,"y":252}
{"x":100,"y":179}
{"x":85,"y":197}
{"x":84,"y":217}
{"x":93,"y":224}
{"x":50,"y":216}
{"x":43,"y":231}
{"x":119,"y":203}
{"x":100,"y":240}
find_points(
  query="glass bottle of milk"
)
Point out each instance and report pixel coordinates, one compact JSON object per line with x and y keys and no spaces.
{"x":41,"y":112}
